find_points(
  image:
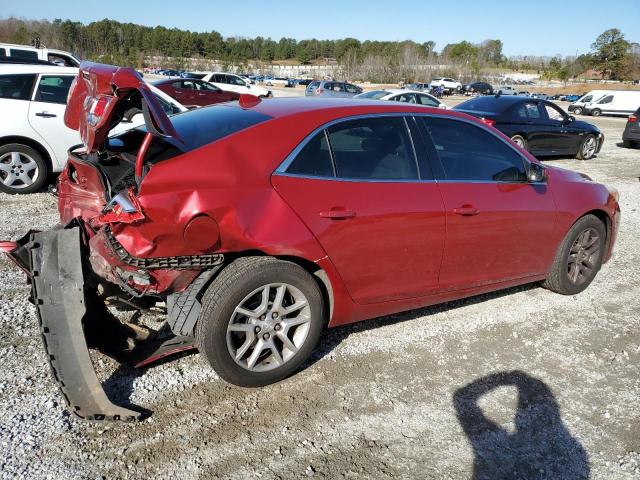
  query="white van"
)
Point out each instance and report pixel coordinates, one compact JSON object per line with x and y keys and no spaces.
{"x":615,"y":102}
{"x":577,"y":107}
{"x":25,"y":52}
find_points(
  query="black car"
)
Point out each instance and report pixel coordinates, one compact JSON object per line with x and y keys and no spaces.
{"x":631,"y":135}
{"x":304,"y":81}
{"x":537,"y":125}
{"x":478,"y":87}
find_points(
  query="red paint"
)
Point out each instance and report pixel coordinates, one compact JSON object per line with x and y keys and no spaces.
{"x":384,"y":247}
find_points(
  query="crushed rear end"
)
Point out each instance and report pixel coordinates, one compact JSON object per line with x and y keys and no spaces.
{"x":80,"y":268}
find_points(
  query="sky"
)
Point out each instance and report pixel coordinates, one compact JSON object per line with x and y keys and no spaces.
{"x":526,"y":27}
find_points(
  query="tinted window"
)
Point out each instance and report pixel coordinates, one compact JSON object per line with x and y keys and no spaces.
{"x":206,"y":125}
{"x":62,"y":60}
{"x":607,"y":99}
{"x":469,"y":153}
{"x":3,"y":52}
{"x":373,"y":148}
{"x":351,"y":88}
{"x":53,"y":88}
{"x":233,"y":80}
{"x":25,"y":54}
{"x":587,"y":99}
{"x":314,"y":159}
{"x":16,"y":86}
{"x":528,"y":111}
{"x":313,"y":85}
{"x":176,"y":84}
{"x":483,"y":104}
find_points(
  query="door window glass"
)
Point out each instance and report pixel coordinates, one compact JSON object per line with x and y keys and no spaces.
{"x":405,"y":98}
{"x":427,"y":100}
{"x":233,"y":80}
{"x":3,"y":53}
{"x":17,"y":87}
{"x":553,"y":113}
{"x":53,"y":88}
{"x":350,"y":88}
{"x":373,"y":148}
{"x":607,"y":99}
{"x":528,"y":111}
{"x":62,"y":60}
{"x":469,"y":153}
{"x":314,"y":159}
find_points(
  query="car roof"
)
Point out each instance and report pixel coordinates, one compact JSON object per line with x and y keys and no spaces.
{"x":338,"y":107}
{"x":30,"y":68}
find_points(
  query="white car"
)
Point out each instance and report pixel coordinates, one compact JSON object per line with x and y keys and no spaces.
{"x":448,"y":83}
{"x":26,"y":52}
{"x":235,"y":83}
{"x":33,"y":137}
{"x":505,"y":90}
{"x":403,"y":95}
{"x":276,"y":82}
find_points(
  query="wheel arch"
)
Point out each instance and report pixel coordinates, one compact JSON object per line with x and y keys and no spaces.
{"x":30,"y":142}
{"x":320,"y":276}
{"x":605,"y":218}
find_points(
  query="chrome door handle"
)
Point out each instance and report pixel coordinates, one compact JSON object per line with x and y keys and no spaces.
{"x":338,"y":214}
{"x":46,"y":115}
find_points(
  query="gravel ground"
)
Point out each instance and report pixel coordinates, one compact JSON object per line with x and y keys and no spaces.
{"x":518,"y":384}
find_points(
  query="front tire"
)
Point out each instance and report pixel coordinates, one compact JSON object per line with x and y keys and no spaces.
{"x":260,"y":320}
{"x":578,"y":111}
{"x":22,"y":169}
{"x":587,"y":148}
{"x":579,"y":257}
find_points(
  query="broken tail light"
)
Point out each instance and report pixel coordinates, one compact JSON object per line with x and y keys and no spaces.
{"x":98,"y":108}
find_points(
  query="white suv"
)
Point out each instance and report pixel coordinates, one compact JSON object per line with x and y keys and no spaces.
{"x":25,"y":52}
{"x":447,"y":83}
{"x":235,"y":83}
{"x":33,"y":137}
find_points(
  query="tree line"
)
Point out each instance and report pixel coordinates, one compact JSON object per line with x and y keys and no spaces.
{"x":110,"y":41}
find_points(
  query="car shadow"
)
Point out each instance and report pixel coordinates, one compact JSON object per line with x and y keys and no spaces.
{"x":333,"y":337}
{"x":540,"y":446}
{"x":119,"y":388}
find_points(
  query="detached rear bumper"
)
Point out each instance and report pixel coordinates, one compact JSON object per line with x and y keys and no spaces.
{"x":53,"y":262}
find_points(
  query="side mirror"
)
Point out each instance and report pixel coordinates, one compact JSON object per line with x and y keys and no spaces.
{"x":536,"y":173}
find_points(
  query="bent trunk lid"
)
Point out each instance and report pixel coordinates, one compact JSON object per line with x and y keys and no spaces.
{"x":98,"y":98}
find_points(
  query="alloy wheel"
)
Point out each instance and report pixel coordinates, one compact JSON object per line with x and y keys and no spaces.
{"x":583,"y":256}
{"x":268,"y":327}
{"x":18,"y":170}
{"x":589,"y":147}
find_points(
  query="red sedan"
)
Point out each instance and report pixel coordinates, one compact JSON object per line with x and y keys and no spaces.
{"x":258,"y":223}
{"x":192,"y":92}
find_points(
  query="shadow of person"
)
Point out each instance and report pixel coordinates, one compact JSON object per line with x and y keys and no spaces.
{"x":541,"y":447}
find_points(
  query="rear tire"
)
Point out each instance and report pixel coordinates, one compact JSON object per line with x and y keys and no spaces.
{"x":582,"y":249}
{"x":596,"y":112}
{"x":628,"y":144}
{"x":236,"y":321}
{"x":22,"y":169}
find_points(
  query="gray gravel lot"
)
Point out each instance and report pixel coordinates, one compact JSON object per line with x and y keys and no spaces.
{"x":519,"y":384}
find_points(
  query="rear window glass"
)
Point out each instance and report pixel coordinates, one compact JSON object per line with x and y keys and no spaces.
{"x":374,"y":94}
{"x":54,"y":88}
{"x":206,"y":125}
{"x":24,"y":54}
{"x":482,"y":104}
{"x":17,"y":86}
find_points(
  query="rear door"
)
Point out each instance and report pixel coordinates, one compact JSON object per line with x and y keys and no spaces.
{"x":46,"y":114}
{"x":498,"y":224}
{"x":564,"y":137}
{"x":528,"y":119}
{"x":380,"y":220}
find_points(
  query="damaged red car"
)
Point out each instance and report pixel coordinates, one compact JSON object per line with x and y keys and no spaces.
{"x":256,"y":224}
{"x":192,"y":92}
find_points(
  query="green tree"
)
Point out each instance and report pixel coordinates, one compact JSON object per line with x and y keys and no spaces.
{"x":611,"y":54}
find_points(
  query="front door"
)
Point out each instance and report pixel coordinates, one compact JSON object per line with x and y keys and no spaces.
{"x":46,"y":114}
{"x":357,"y":187}
{"x":498,"y":225}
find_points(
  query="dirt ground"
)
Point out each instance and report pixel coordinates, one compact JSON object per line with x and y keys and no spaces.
{"x":519,"y":384}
